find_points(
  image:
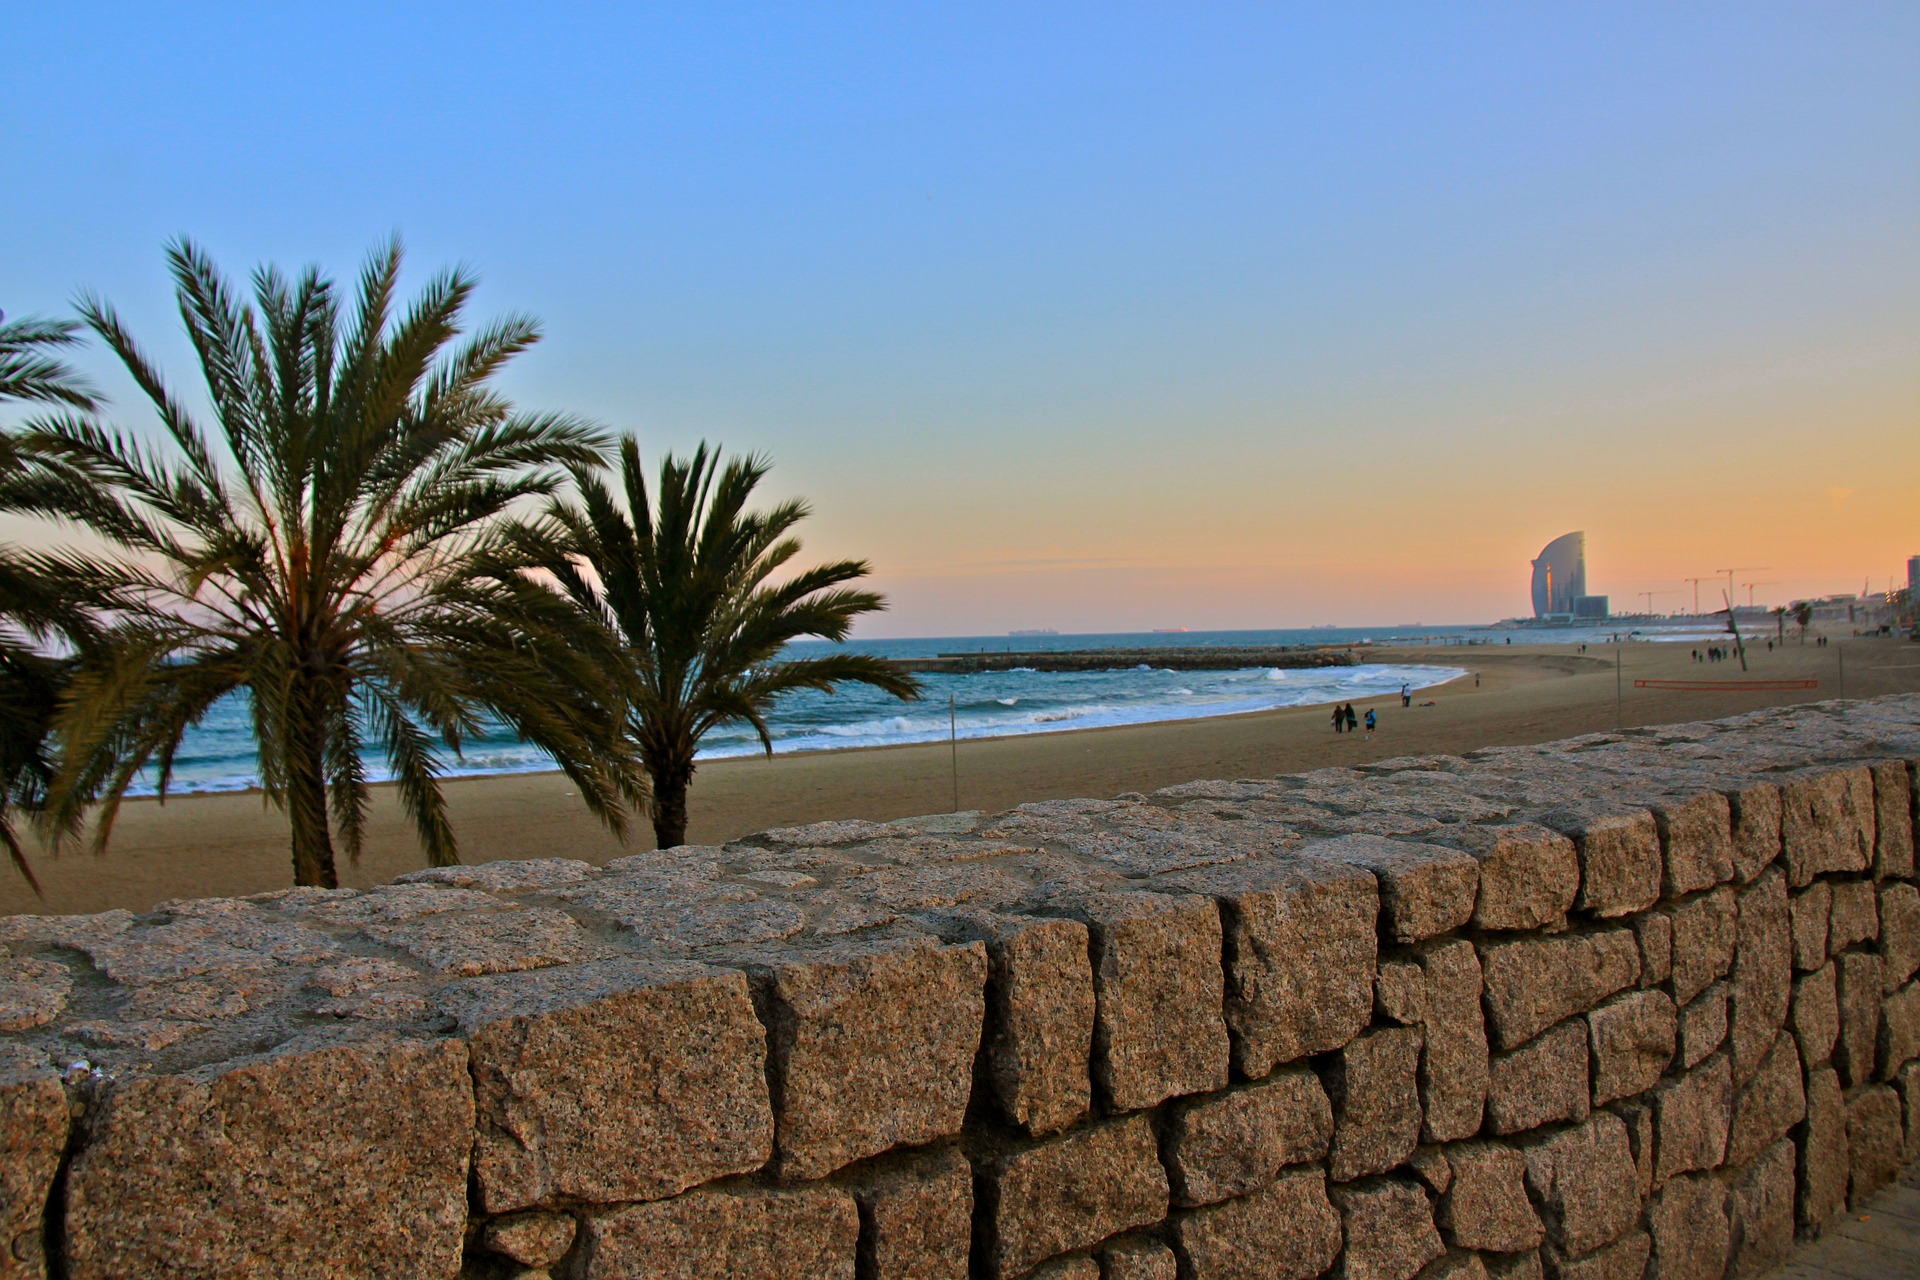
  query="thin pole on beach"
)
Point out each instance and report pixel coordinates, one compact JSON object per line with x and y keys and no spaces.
{"x":1619,"y":690}
{"x":953,"y":747}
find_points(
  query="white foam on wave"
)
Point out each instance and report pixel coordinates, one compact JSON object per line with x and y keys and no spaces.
{"x":1048,"y":703}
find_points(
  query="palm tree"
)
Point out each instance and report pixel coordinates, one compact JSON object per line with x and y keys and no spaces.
{"x":30,"y":369}
{"x":35,"y":611}
{"x":1803,"y":617}
{"x":686,"y":579}
{"x":331,"y":550}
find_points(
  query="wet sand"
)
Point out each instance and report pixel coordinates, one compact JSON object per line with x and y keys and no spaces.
{"x":209,"y":845}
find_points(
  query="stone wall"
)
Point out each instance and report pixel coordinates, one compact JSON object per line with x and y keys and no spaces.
{"x":1638,"y":1003}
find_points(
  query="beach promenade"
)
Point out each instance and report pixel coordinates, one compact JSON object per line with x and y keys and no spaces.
{"x":1881,"y":1242}
{"x":234,"y":844}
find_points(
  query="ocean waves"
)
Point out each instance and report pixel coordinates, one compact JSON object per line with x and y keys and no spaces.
{"x":218,"y":753}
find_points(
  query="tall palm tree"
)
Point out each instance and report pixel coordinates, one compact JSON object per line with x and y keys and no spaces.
{"x":36,"y":613}
{"x":31,"y":368}
{"x":331,"y":548}
{"x":696,"y":589}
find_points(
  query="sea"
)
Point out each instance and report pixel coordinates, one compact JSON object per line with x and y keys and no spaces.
{"x":217,"y":753}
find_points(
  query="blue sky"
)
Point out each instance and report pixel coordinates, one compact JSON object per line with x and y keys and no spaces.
{"x":1095,"y":316}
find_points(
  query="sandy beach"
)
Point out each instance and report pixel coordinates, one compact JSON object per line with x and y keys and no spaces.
{"x":226,"y":844}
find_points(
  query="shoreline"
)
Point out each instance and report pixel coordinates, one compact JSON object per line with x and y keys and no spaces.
{"x":231,"y":843}
{"x":1198,"y":710}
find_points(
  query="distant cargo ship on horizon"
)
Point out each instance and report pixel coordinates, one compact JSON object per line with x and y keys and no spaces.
{"x":1035,"y":631}
{"x":1169,"y":631}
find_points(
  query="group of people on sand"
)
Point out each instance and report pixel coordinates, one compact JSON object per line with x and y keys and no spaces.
{"x":1345,"y":721}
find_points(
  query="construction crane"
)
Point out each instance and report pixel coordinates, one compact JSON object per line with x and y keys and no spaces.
{"x":1745,"y":568}
{"x":1751,"y":585}
{"x":1651,"y":594}
{"x":1696,"y":589}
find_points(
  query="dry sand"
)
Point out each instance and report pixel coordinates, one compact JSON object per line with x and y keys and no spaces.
{"x":208,"y":845}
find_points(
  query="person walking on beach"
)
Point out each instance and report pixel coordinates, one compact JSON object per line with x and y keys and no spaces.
{"x":1406,"y":695}
{"x":1372,"y":721}
{"x":1339,"y":718}
{"x":1353,"y":721}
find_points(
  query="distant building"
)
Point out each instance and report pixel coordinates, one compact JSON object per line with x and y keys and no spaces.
{"x":1590,"y":607}
{"x":1560,"y":577}
{"x":1913,"y":576}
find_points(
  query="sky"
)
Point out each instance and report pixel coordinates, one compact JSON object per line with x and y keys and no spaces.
{"x":1093,"y":316}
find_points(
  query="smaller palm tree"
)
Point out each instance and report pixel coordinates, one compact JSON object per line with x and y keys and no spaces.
{"x":37,"y":612}
{"x":688,"y":580}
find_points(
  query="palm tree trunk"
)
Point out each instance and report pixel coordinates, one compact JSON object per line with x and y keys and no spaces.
{"x":670,"y":782}
{"x":307,"y":803}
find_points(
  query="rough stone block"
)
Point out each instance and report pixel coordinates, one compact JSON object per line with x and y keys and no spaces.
{"x":1815,"y":1017}
{"x":531,"y":1239}
{"x":1899,"y":1031}
{"x":1856,"y":914}
{"x":1080,"y":1266}
{"x":1704,"y":933}
{"x":869,"y":1049}
{"x":1459,"y":1266}
{"x":1907,"y":1085}
{"x":1486,"y":1205}
{"x":749,"y":1234}
{"x":1822,"y":1142}
{"x":1624,"y":1259}
{"x":1400,"y":992}
{"x":1532,"y":983}
{"x":1620,"y":863}
{"x":916,"y":1217}
{"x":1760,"y":1202}
{"x":468,"y":945}
{"x":1425,"y":890}
{"x":1529,"y":875}
{"x":1769,"y":1105}
{"x":33,"y":1133}
{"x":1696,"y":839}
{"x":1233,"y":1143}
{"x":1389,"y":1229}
{"x":1703,"y":1024}
{"x":1756,"y":829}
{"x":1301,"y":943}
{"x":1287,"y":1230}
{"x":1069,"y":1192}
{"x":1692,"y":1115}
{"x":1893,"y":790}
{"x":1376,"y":1102}
{"x":1860,"y":1004}
{"x":1899,"y":933}
{"x":1513,"y":1266}
{"x":1637,"y":1115}
{"x":613,"y":1080}
{"x":1692,"y":1236}
{"x":1811,"y":910}
{"x":291,"y":1157}
{"x":1429,"y":1164}
{"x":1157,"y":979}
{"x":1653,"y":931}
{"x":1542,"y":1081}
{"x":1762,"y":971}
{"x":1821,"y":826}
{"x":1583,"y":1181}
{"x":1632,"y":1040}
{"x":1454,"y":1064}
{"x":1040,"y":1012}
{"x":1875,"y":1141}
{"x":1138,"y":1260}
